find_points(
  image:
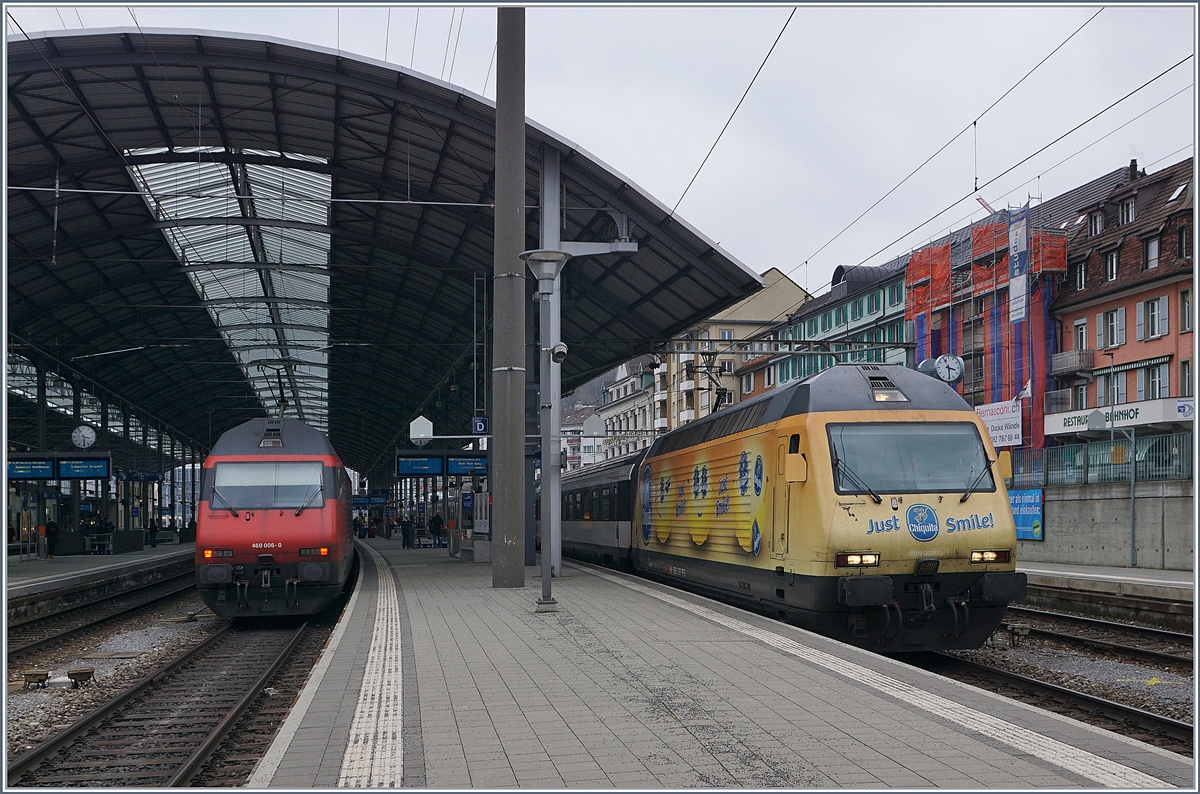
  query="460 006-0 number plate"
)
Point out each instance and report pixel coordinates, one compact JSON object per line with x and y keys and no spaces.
{"x":266,"y":545}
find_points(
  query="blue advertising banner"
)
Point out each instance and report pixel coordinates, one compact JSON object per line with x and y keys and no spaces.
{"x":1027,"y":514}
{"x":466,"y":465}
{"x":83,"y":469}
{"x":1018,"y":264}
{"x":31,"y":469}
{"x":411,"y":466}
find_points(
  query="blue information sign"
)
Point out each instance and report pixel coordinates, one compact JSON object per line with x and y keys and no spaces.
{"x":480,"y":425}
{"x":468,"y":500}
{"x":31,"y":469}
{"x":475,"y":464}
{"x":1027,"y":514}
{"x":409,"y":466}
{"x":83,"y":468}
{"x":361,"y":501}
{"x":378,"y":500}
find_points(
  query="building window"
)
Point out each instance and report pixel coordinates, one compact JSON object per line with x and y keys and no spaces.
{"x":769,"y":374}
{"x":748,"y":383}
{"x":1185,"y":378}
{"x":1080,"y":397}
{"x":1128,"y":211}
{"x":874,"y":302}
{"x":1185,"y":311}
{"x":1110,"y":266}
{"x":1110,"y":330}
{"x":1081,"y":342}
{"x":727,"y":334}
{"x":1080,"y":275}
{"x":704,"y":399}
{"x":812,"y":328}
{"x":826,"y":319}
{"x":1152,"y":318}
{"x":1152,"y":253}
{"x":1178,"y":192}
{"x":840,"y":315}
{"x":726,"y":366}
{"x":1105,"y":386}
{"x":1152,"y":383}
{"x":1184,"y":252}
{"x":1096,"y":223}
{"x":856,"y":310}
{"x":895,"y":294}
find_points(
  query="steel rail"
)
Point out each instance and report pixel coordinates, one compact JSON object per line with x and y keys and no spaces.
{"x":1128,"y":650}
{"x":31,"y":759}
{"x":69,"y":631}
{"x":183,"y":776}
{"x":1161,"y":634}
{"x":1176,"y":729}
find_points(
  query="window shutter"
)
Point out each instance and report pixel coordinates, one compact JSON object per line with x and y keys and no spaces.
{"x":1164,"y":378}
{"x":1141,"y":321}
{"x":1141,"y":376}
{"x":1100,"y":331}
{"x":1121,"y":326}
{"x":1162,"y":314}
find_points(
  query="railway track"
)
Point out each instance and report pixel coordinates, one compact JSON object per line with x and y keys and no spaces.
{"x":160,"y":732}
{"x":45,"y":631}
{"x":1173,"y":731}
{"x":1152,"y":645}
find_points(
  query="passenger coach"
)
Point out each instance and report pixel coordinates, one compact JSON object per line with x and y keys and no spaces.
{"x":866,"y":503}
{"x":273,"y":534}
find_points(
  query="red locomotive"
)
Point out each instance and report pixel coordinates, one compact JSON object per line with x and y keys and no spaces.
{"x":273,"y":535}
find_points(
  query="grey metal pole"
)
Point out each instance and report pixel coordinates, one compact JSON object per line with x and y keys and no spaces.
{"x":546,"y":602}
{"x":508,"y":356}
{"x":551,"y":239}
{"x":1132,"y":497}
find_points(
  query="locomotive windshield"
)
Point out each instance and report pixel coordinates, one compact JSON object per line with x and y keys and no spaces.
{"x":266,"y":485}
{"x":909,"y":458}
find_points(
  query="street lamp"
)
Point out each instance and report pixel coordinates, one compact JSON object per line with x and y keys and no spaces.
{"x":546,"y":264}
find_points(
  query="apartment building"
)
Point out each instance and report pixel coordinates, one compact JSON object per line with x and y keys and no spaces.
{"x":627,"y":409}
{"x":1126,"y":314}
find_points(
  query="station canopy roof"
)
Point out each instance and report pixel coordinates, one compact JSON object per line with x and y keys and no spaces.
{"x":203,"y":222}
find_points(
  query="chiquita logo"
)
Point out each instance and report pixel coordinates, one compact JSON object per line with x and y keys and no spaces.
{"x":758,"y":475}
{"x":647,"y":505}
{"x":922,"y":522}
{"x":755,"y":538}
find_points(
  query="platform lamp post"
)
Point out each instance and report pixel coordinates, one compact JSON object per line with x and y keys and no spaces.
{"x":545,"y":266}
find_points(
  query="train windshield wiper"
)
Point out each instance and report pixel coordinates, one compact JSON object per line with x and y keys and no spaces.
{"x":979,"y":478}
{"x":310,"y":499}
{"x":218,"y":494}
{"x":839,"y":463}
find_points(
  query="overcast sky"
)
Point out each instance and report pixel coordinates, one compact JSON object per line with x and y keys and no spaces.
{"x":850,"y":102}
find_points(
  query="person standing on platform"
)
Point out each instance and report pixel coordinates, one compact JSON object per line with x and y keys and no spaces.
{"x":435,"y":529}
{"x":51,"y":538}
{"x":153,"y":530}
{"x":406,"y":532}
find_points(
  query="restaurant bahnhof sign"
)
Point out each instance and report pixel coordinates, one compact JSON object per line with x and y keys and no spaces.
{"x":1146,"y":412}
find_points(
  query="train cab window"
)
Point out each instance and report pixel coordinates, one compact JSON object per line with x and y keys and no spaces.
{"x":794,"y":444}
{"x":253,"y":485}
{"x":909,"y":457}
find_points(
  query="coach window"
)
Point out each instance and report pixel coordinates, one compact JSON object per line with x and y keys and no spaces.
{"x":605,"y":505}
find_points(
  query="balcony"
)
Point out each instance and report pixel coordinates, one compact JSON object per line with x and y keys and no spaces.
{"x":660,"y":424}
{"x":687,"y":416}
{"x":687,"y":385}
{"x":660,"y":396}
{"x":1072,"y":362}
{"x":1059,"y":401}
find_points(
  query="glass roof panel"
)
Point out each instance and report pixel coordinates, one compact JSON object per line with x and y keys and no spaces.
{"x":270,"y":351}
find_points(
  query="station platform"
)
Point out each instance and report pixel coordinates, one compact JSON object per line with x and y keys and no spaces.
{"x":432,"y":678}
{"x":41,"y":586}
{"x":1132,"y":582}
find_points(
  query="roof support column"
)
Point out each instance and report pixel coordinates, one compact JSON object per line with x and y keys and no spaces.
{"x":508,"y":368}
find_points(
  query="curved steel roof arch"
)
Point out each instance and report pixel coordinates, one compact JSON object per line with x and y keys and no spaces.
{"x":116,"y":115}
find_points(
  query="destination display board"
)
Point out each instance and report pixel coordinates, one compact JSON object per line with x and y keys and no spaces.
{"x":466,"y":464}
{"x":31,"y":469}
{"x":423,"y":465}
{"x":83,"y":468}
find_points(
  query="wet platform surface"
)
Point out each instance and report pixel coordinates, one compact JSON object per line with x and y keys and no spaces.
{"x":435,"y":679}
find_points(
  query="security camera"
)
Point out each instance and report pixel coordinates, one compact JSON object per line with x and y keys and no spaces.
{"x":558,"y":353}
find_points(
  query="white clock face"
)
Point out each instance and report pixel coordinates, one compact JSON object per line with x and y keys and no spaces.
{"x":83,"y":436}
{"x":949,"y":368}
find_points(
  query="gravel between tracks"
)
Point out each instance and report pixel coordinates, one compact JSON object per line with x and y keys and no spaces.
{"x":1157,"y":688}
{"x":34,"y":715}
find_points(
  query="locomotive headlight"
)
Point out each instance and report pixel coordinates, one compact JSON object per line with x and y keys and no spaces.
{"x":321,"y":552}
{"x":984,"y":557}
{"x":857,"y":559}
{"x":210,"y":553}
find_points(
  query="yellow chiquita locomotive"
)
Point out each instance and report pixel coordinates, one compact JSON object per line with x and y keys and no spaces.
{"x":865,"y":503}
